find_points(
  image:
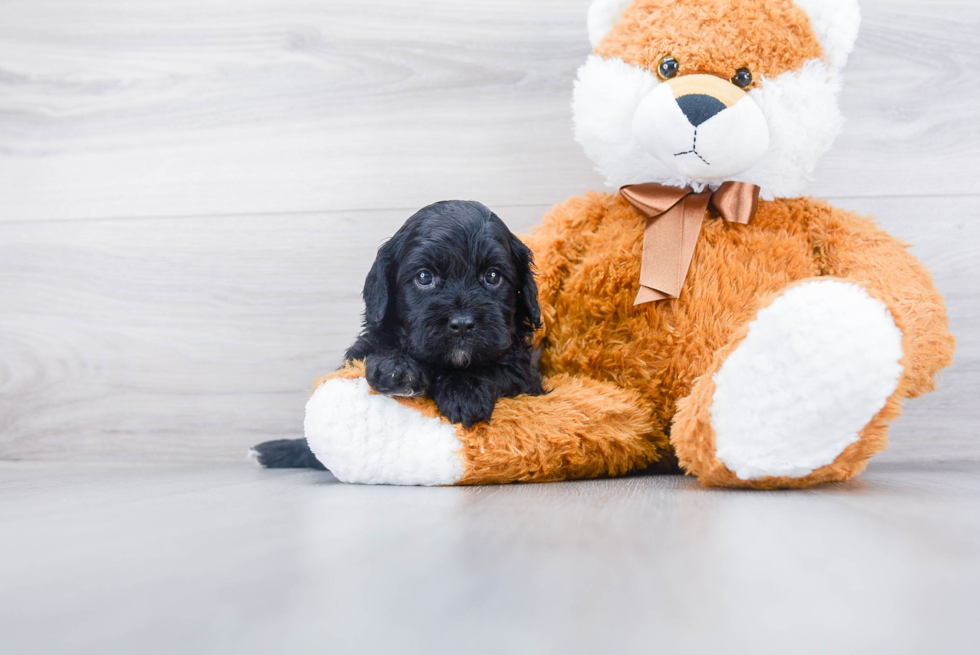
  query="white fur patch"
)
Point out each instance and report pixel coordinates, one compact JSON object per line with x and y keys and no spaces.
{"x":836,"y":23}
{"x":603,"y":14}
{"x":814,"y":369}
{"x":607,"y":94}
{"x":727,"y":144}
{"x":804,"y":119}
{"x":372,"y":439}
{"x":800,"y":110}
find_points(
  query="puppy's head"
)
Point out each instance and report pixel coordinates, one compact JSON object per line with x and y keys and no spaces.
{"x":454,"y":286}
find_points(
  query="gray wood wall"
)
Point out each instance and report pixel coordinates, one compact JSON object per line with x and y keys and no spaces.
{"x":191,"y":192}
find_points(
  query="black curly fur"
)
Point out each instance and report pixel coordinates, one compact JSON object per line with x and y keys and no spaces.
{"x":286,"y":454}
{"x":463,"y":338}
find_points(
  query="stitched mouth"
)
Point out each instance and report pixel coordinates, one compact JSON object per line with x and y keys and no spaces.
{"x":694,"y":150}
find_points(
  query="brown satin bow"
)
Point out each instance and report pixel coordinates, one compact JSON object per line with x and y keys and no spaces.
{"x":674,"y":216}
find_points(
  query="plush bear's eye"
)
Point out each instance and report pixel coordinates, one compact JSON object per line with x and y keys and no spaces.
{"x":424,"y":278}
{"x":668,"y":68}
{"x":742,"y":78}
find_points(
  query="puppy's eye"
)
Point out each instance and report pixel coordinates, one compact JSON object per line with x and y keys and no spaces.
{"x":668,"y":68}
{"x":742,"y":78}
{"x":424,"y":278}
{"x":492,"y":277}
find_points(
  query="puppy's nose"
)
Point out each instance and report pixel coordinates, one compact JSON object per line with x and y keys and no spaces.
{"x":461,"y":324}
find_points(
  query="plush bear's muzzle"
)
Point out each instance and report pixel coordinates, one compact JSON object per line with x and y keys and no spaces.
{"x":702,"y":127}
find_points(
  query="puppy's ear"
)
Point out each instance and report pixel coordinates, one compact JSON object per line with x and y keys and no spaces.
{"x":528,"y":310}
{"x":376,"y":292}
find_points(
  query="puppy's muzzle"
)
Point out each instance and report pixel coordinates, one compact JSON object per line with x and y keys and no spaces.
{"x":702,"y":127}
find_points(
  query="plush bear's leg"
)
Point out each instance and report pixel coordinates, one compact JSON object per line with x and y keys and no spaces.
{"x":581,"y":428}
{"x":801,"y":395}
{"x":854,"y":248}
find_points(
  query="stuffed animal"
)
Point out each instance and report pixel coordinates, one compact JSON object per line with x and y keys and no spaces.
{"x":701,"y":314}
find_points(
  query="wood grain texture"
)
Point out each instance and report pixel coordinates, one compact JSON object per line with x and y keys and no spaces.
{"x":943,"y":424}
{"x":184,"y":338}
{"x":231,"y":559}
{"x":192,"y":191}
{"x":177,"y":338}
{"x":198,"y":107}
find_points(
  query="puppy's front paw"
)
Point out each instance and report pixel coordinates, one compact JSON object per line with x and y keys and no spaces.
{"x":395,"y":375}
{"x":464,"y":399}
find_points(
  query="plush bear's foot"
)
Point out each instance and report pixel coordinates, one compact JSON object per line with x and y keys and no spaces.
{"x":373,"y":439}
{"x":801,"y":396}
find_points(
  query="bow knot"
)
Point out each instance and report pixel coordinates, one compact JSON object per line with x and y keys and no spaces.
{"x":674,"y":217}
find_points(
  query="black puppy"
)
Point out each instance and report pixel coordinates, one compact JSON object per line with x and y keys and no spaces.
{"x":450,"y":309}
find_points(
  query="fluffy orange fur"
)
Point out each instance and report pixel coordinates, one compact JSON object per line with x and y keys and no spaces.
{"x":593,"y":429}
{"x":588,"y":253}
{"x":632,"y":386}
{"x":619,"y":374}
{"x":769,"y":37}
{"x":693,"y":437}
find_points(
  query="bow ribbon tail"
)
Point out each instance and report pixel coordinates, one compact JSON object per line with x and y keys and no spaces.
{"x":674,"y":217}
{"x":668,"y":248}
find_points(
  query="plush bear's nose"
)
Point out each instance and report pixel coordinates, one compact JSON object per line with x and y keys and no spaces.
{"x":699,"y":107}
{"x":461,"y":324}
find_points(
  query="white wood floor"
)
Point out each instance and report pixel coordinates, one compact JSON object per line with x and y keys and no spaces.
{"x":224,"y":558}
{"x":191,"y":192}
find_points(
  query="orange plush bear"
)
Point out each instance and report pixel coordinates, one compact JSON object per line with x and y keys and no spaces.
{"x":704,"y":315}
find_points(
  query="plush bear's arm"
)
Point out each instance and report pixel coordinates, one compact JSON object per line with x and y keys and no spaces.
{"x":558,"y":246}
{"x":850,"y":246}
{"x":581,"y":428}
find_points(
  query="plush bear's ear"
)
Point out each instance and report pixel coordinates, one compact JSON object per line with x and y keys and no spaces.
{"x":836,"y":23}
{"x":603,"y":14}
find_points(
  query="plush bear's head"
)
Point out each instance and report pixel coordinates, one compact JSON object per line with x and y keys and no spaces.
{"x":700,"y":92}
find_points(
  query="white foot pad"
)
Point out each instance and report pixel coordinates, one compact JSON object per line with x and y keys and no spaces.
{"x":372,"y":439}
{"x":814,"y":369}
